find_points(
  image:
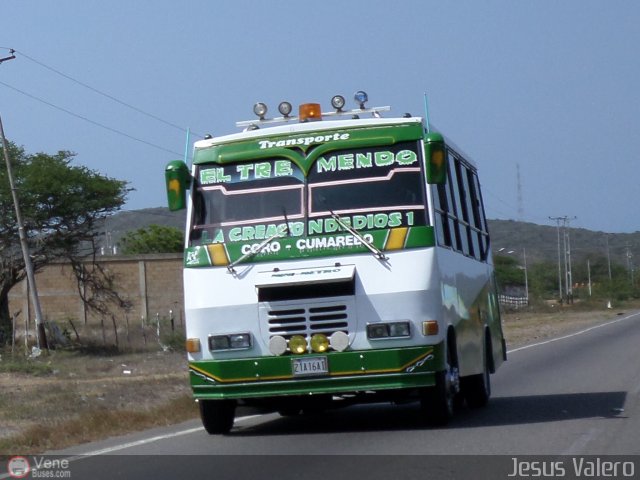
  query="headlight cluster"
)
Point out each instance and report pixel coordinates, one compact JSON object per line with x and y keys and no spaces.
{"x":319,"y":343}
{"x":376,"y":331}
{"x":234,"y":341}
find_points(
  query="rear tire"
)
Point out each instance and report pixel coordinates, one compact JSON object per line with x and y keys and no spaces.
{"x":217,"y":415}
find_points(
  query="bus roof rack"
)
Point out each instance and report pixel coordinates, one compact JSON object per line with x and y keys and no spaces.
{"x":374,"y":111}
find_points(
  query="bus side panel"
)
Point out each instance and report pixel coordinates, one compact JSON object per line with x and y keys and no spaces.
{"x":466,"y":285}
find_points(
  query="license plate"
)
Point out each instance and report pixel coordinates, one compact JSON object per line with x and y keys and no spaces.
{"x":309,"y":366}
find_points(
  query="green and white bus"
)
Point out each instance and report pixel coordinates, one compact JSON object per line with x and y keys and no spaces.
{"x":334,"y":258}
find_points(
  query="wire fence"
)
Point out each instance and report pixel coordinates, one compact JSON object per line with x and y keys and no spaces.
{"x":513,"y":302}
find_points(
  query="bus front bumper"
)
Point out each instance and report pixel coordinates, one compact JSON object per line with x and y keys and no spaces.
{"x":352,"y":371}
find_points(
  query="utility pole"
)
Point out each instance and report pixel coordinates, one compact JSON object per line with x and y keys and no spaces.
{"x":31,"y":279}
{"x":566,"y":243}
{"x":630,"y":263}
{"x":557,"y":220}
{"x":568,"y":253}
{"x":526,"y":275}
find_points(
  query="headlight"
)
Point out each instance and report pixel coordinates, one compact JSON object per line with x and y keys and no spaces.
{"x":240,"y":340}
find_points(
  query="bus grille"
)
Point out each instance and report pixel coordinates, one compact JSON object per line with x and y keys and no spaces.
{"x":306,"y":321}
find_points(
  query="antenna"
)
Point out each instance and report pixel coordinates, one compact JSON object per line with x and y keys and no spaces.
{"x":519,"y":188}
{"x":426,"y":112}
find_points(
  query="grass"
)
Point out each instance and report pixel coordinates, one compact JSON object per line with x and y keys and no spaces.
{"x":68,"y":398}
{"x":26,"y":366}
{"x":61,"y":432}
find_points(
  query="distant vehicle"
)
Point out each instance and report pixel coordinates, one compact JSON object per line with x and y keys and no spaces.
{"x":334,"y":260}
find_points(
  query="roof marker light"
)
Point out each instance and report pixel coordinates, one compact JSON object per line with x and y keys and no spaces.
{"x":310,"y":111}
{"x":260,"y":109}
{"x":361,"y":98}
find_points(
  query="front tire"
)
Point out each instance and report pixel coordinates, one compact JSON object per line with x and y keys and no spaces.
{"x":477,"y":388}
{"x":217,"y":415}
{"x":439,"y":402}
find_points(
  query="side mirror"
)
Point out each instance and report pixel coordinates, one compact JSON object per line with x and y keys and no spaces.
{"x":436,"y":159}
{"x":178,"y":181}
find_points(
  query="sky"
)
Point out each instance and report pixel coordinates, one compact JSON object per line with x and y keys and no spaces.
{"x":548,"y":88}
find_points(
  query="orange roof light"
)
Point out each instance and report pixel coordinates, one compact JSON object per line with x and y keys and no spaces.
{"x":310,"y":112}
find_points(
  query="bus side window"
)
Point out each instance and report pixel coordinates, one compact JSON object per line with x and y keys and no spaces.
{"x":478,"y":212}
{"x":461,"y":233}
{"x":470,"y":218}
{"x":442,"y":220}
{"x":453,"y":209}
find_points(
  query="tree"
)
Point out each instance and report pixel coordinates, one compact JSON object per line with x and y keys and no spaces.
{"x":508,"y":271}
{"x":61,"y":205}
{"x":153,"y":239}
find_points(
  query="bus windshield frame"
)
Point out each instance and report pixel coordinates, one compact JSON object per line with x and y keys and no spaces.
{"x":371,"y":188}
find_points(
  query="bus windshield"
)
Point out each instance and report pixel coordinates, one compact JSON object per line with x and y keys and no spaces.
{"x":370,"y":188}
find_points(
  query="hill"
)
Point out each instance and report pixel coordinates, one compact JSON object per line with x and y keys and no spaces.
{"x":539,"y":241}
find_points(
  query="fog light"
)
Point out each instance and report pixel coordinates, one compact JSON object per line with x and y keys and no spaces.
{"x":260,"y":109}
{"x":338,"y":102}
{"x":193,"y":345}
{"x":298,"y":344}
{"x":277,"y":345}
{"x":339,"y":341}
{"x":285,"y":108}
{"x":319,"y":343}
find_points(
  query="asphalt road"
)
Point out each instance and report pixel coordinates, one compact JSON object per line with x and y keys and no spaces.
{"x":574,"y":396}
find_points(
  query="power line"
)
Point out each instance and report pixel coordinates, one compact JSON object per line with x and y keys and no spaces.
{"x":106,"y":95}
{"x":86,"y":119}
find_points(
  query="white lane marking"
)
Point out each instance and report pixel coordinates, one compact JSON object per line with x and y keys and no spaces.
{"x":617,"y":320}
{"x":579,"y":445}
{"x":144,"y":441}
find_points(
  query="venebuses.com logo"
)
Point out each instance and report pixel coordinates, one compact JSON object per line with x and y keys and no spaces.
{"x":18,"y":467}
{"x":38,"y":467}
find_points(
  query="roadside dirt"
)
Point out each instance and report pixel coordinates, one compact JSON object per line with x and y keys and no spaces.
{"x":524,"y":327}
{"x":75,"y":386}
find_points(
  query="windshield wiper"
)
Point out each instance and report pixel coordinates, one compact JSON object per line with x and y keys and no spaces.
{"x":253,"y":252}
{"x":375,"y":250}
